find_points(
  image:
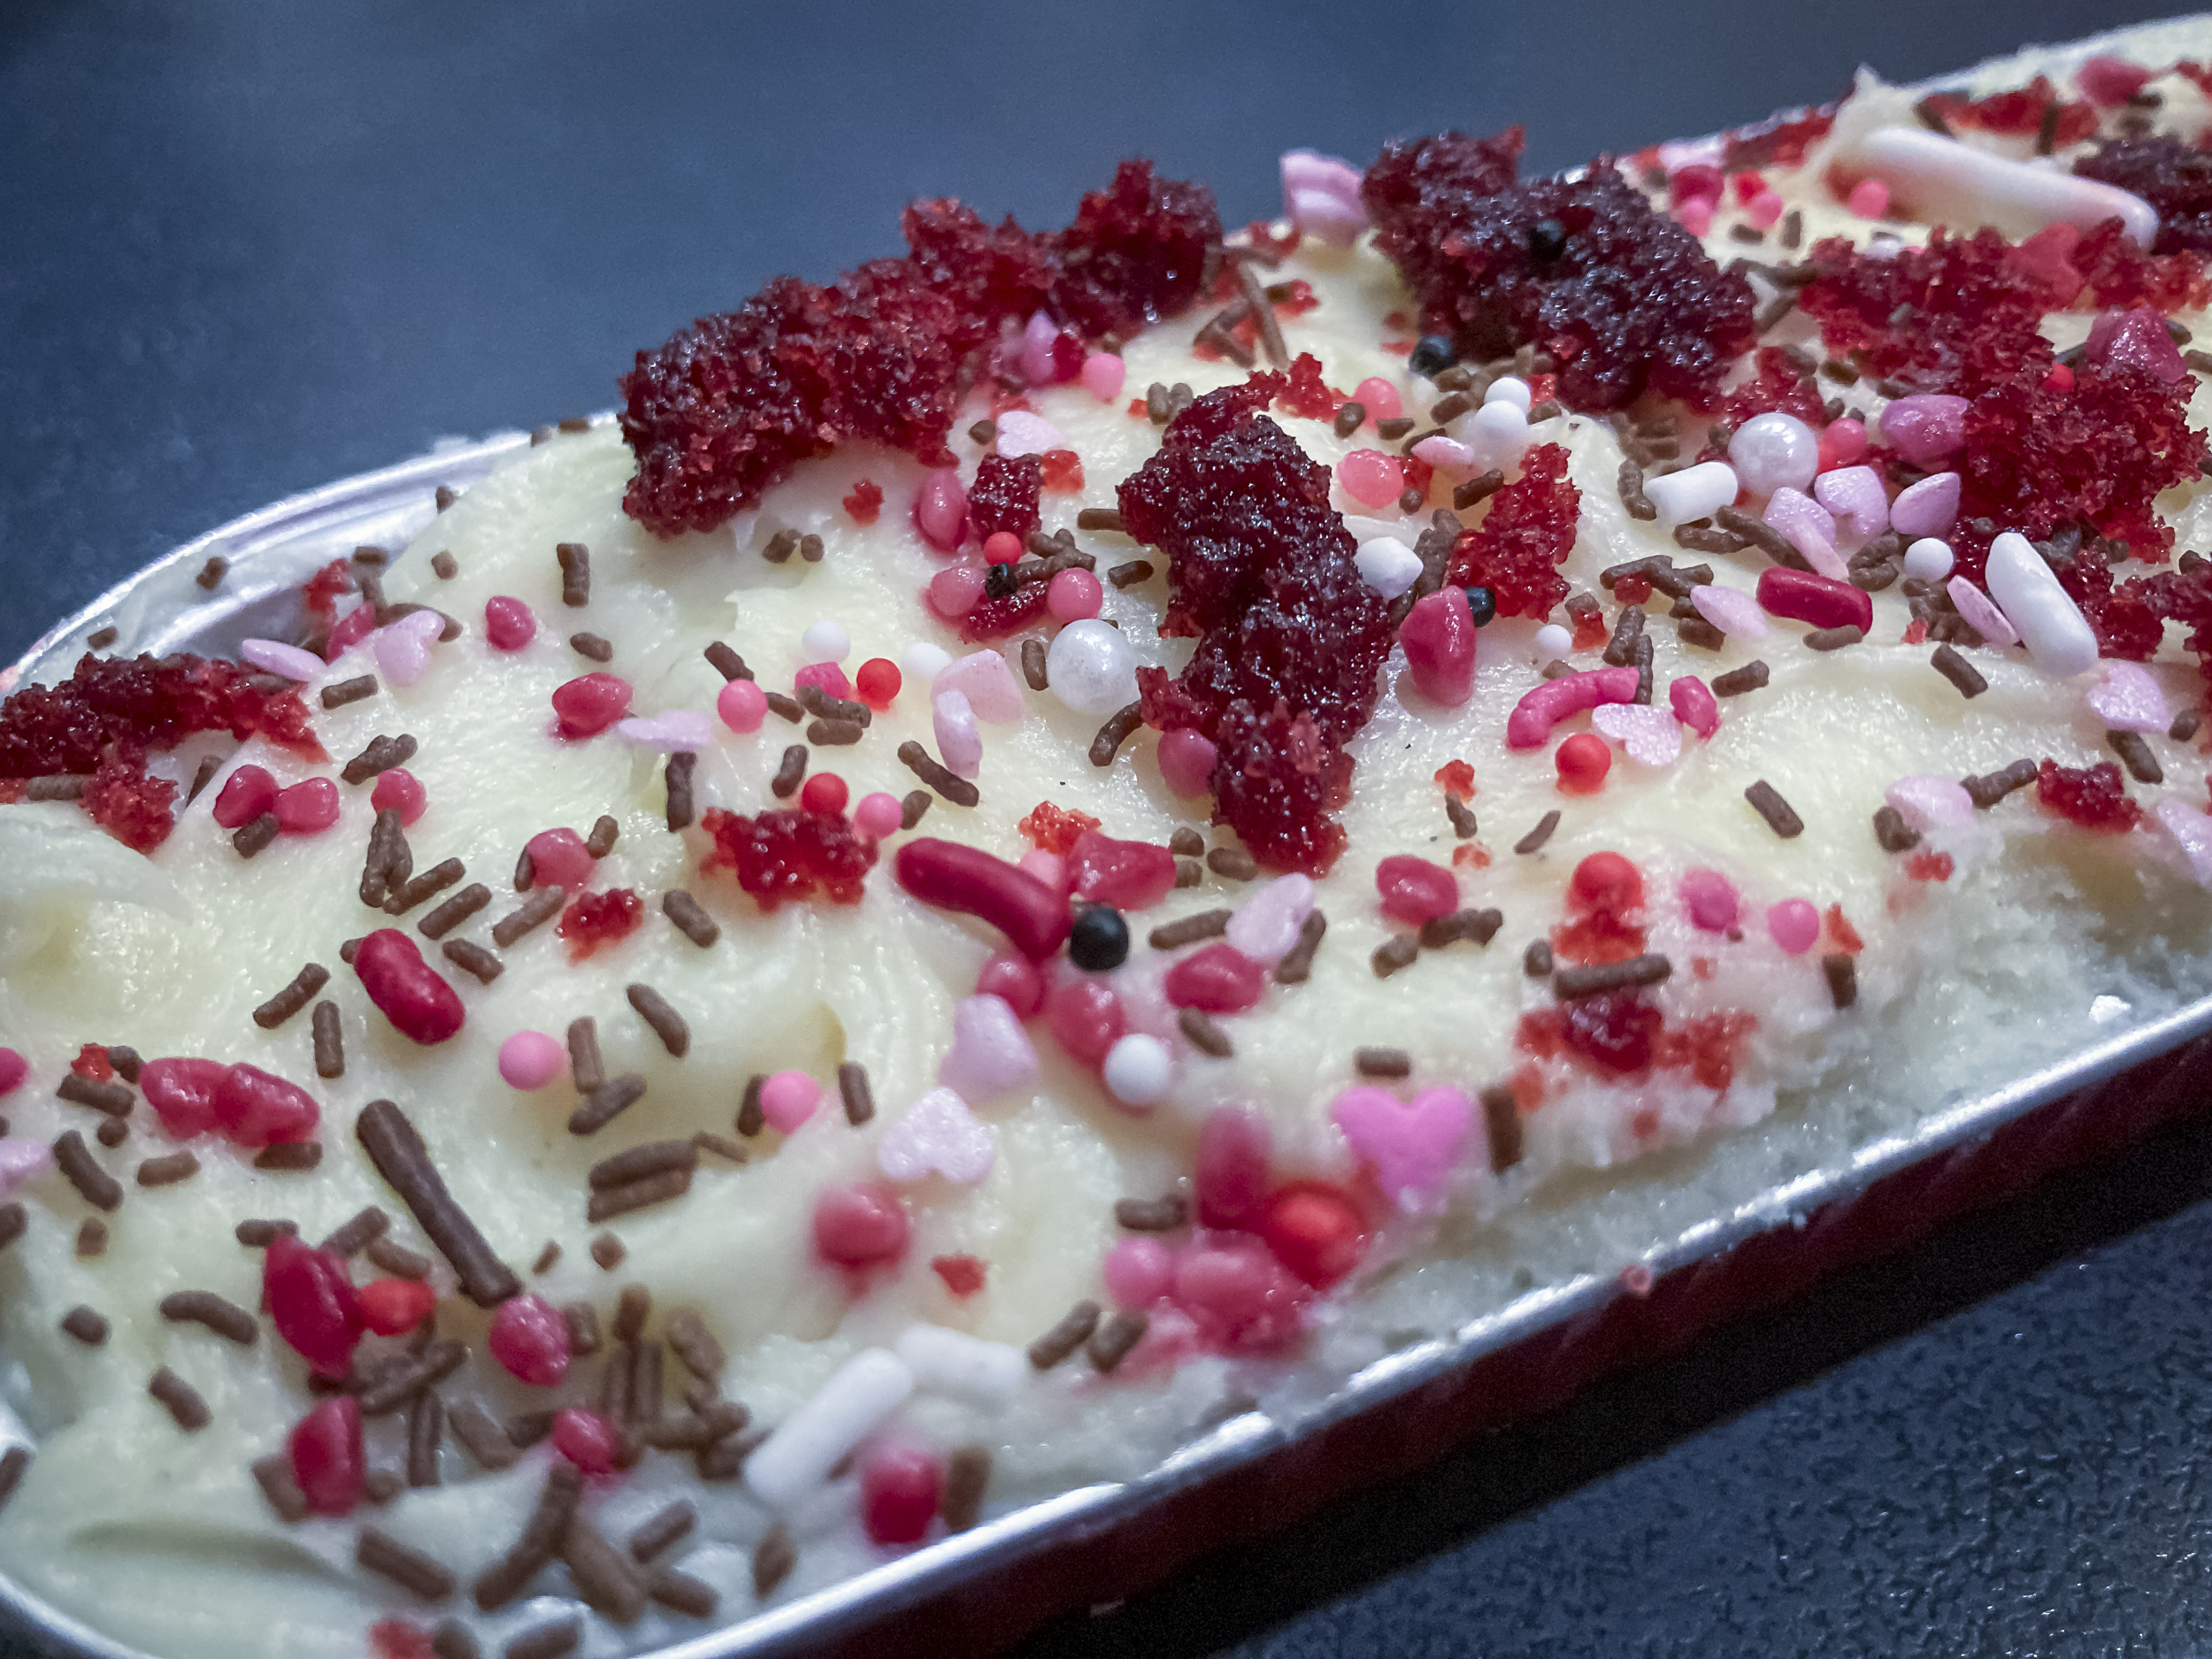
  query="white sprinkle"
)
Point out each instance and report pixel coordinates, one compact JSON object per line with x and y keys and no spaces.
{"x":1020,"y":433}
{"x":677,"y":731}
{"x":827,"y":641}
{"x":1944,"y":182}
{"x":1495,"y":434}
{"x":1387,"y":565}
{"x":1928,"y":560}
{"x":958,"y":739}
{"x":1773,"y":451}
{"x":276,"y":657}
{"x":1138,"y":1070}
{"x":1695,"y":492}
{"x":987,"y":1374}
{"x":814,"y":1439}
{"x":1510,"y":388}
{"x":1092,"y":668}
{"x":2057,"y":636}
{"x":1552,"y":642}
{"x":924,"y":661}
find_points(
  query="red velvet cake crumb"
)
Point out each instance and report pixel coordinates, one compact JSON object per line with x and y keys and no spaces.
{"x":595,"y":920}
{"x":783,"y":855}
{"x":1517,"y":551}
{"x":1004,"y":494}
{"x":2173,"y":177}
{"x":1054,"y":829}
{"x":2092,"y":796}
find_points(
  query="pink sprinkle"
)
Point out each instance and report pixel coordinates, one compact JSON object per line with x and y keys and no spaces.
{"x":1928,"y":802}
{"x":1074,"y":596}
{"x":2108,"y":82}
{"x":2134,"y":339}
{"x":1103,"y":374}
{"x":1929,"y":508}
{"x":1447,"y":455}
{"x":991,"y":1054}
{"x":953,"y":593}
{"x":1048,"y":868}
{"x":1439,"y":637}
{"x":826,"y":677}
{"x":1808,"y":527}
{"x":1371,"y":478}
{"x":937,"y":1135}
{"x":959,"y":740}
{"x":1411,"y":1146}
{"x":586,"y":1439}
{"x":1712,"y":901}
{"x":1981,"y":612}
{"x":1694,"y":704}
{"x":1321,"y":196}
{"x":1186,"y":761}
{"x":1266,"y":925}
{"x":588,"y":704}
{"x":1869,"y":199}
{"x":530,"y":1059}
{"x":1695,"y":213}
{"x":277,"y":657}
{"x":2192,"y":832}
{"x":2129,"y":699}
{"x":1651,"y":737}
{"x":1842,"y":441}
{"x":1036,"y":355}
{"x":1002,"y":547}
{"x":1414,"y":890}
{"x":1378,"y":397}
{"x":403,"y":649}
{"x":1021,"y":432}
{"x":1731,"y":609}
{"x":878,"y":815}
{"x":1854,"y":493}
{"x":1794,"y":925}
{"x":402,"y":790}
{"x":507,"y":623}
{"x":742,"y":705}
{"x":1015,"y":981}
{"x":13,"y":1069}
{"x":988,"y":684}
{"x":1926,"y":427}
{"x":247,"y":793}
{"x":309,"y":805}
{"x":1138,"y":1270}
{"x":22,"y":1157}
{"x":788,"y":1099}
{"x":941,"y":513}
{"x":673,"y":730}
{"x":1762,"y":211}
{"x":559,"y":859}
{"x":1530,"y":723}
{"x":953,"y":877}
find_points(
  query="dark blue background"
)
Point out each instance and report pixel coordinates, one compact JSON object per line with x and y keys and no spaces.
{"x":248,"y":246}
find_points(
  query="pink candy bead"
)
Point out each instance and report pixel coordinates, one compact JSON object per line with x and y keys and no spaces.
{"x":1371,"y":478}
{"x":1695,"y":214}
{"x":1002,"y":547}
{"x":309,"y":805}
{"x":13,"y":1069}
{"x":507,"y":623}
{"x":1074,"y":596}
{"x":1842,"y":443}
{"x":1712,"y":901}
{"x":1015,"y":981}
{"x":399,"y":790}
{"x":530,"y":1059}
{"x":247,"y":793}
{"x":1138,"y":1271}
{"x":941,"y":511}
{"x":1103,"y":373}
{"x":558,"y":858}
{"x":1869,"y":198}
{"x":1794,"y":924}
{"x":1378,"y":397}
{"x":825,"y":677}
{"x":788,"y":1099}
{"x":878,"y":815}
{"x":1764,"y":210}
{"x":1694,"y":704}
{"x":742,"y":705}
{"x":1186,"y":761}
{"x":953,"y":593}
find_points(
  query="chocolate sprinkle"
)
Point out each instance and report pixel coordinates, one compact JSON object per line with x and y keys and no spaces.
{"x":784,"y":708}
{"x":1988,"y":788}
{"x":1535,"y":839}
{"x":2184,"y":726}
{"x":1836,"y":639}
{"x":912,"y":806}
{"x":183,"y":1399}
{"x":358,"y":1232}
{"x":1572,"y":983}
{"x":290,"y":1155}
{"x":656,"y":1010}
{"x":1382,"y":1062}
{"x":602,"y":1105}
{"x":114,"y":1099}
{"x":690,"y":918}
{"x":1475,"y":927}
{"x":695,"y":1345}
{"x":126,"y":1060}
{"x":1189,"y":873}
{"x":639,"y":1194}
{"x":1232,"y":863}
{"x":586,"y":1069}
{"x":394,"y":1388}
{"x":1295,"y":968}
{"x":1110,"y":1343}
{"x":436,"y":879}
{"x":721,"y":1146}
{"x":781,"y":546}
{"x":350,"y":691}
{"x":94,"y":1184}
{"x":1751,"y":677}
{"x":680,"y":1592}
{"x":211,"y":573}
{"x":773,"y":1558}
{"x":632,"y":1308}
{"x":1462,"y":814}
{"x":166,"y":1171}
{"x":1130,"y":574}
{"x":751,"y":1117}
{"x":397,"y":1260}
{"x":293,"y":998}
{"x":1757,"y":532}
{"x":452,"y":1640}
{"x":505,"y":1578}
{"x":852,"y":1087}
{"x":1189,"y":930}
{"x":538,"y":907}
{"x":1501,"y":1119}
{"x":1115,"y":732}
{"x":1891,"y":830}
{"x":92,"y":1236}
{"x":401,"y":1157}
{"x":1768,"y":801}
{"x":591,"y":646}
{"x":382,"y":754}
{"x":274,"y":1473}
{"x":100,"y":639}
{"x":1204,"y":1033}
{"x":1477,"y":489}
{"x":1033,"y":665}
{"x":834,"y":733}
{"x":1064,"y":1338}
{"x":924,"y":765}
{"x":455,"y":910}
{"x":257,"y":1234}
{"x":380,"y":1553}
{"x":1151,"y":1215}
{"x":790,"y":773}
{"x":967,"y":1476}
{"x":546,"y":1257}
{"x":1843,"y":978}
{"x":113,"y":1132}
{"x":554,"y":1641}
{"x":425,"y":1432}
{"x":2135,"y":755}
{"x":603,"y":1578}
{"x":1395,"y":954}
{"x":87,"y":1327}
{"x":575,"y":560}
{"x":820,"y":702}
{"x":481,"y":1437}
{"x":252,"y":838}
{"x":1620,"y":650}
{"x":1185,"y":842}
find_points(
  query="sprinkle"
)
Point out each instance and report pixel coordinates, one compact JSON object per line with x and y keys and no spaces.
{"x":258,"y":1235}
{"x":1189,"y":930}
{"x":1098,"y":518}
{"x":1751,"y":677}
{"x":114,"y":1099}
{"x":112,"y":1132}
{"x":592,"y":647}
{"x":781,"y":546}
{"x":575,"y":560}
{"x":819,"y":702}
{"x":1262,"y":313}
{"x":1836,"y":639}
{"x":252,"y":838}
{"x":834,"y":734}
{"x":380,"y":1553}
{"x":389,"y":861}
{"x":452,"y":1639}
{"x":14,"y":1219}
{"x":852,"y":1086}
{"x":167,"y":1171}
{"x":397,"y":1260}
{"x":203,"y":777}
{"x":274,"y":1475}
{"x":789,"y":774}
{"x":1110,"y":1343}
{"x":2135,"y":755}
{"x":1395,"y":954}
{"x":812,"y":548}
{"x":100,"y":639}
{"x":1535,"y":839}
{"x":1130,"y":574}
{"x":1989,"y":788}
{"x":1477,"y":489}
{"x":1570,"y":984}
{"x":472,"y":958}
{"x":603,"y":1578}
{"x":913,"y":805}
{"x":726,"y":662}
{"x":667,"y":1023}
{"x":426,"y":1431}
{"x":349,"y":691}
{"x":204,"y":1306}
{"x":394,"y":1388}
{"x":751,"y":1114}
{"x":293,"y":998}
{"x":695,"y":1345}
{"x":211,"y":573}
{"x":87,"y":1327}
{"x":918,"y":760}
{"x":1475,"y":927}
{"x":586,"y":1069}
{"x":1891,"y":830}
{"x":1232,"y":863}
{"x":1204,"y":1033}
{"x":1501,"y":1118}
{"x":1295,"y":968}
{"x":1151,"y":1215}
{"x":481,"y":1436}
{"x":455,"y":910}
{"x":126,"y":1060}
{"x":290,"y":1155}
{"x":1843,"y":979}
{"x":183,"y":1401}
{"x":382,"y":754}
{"x":1074,"y":1329}
{"x":773,"y":1558}
{"x":92,"y":1238}
{"x":1190,"y":872}
{"x":434,"y":880}
{"x":1115,"y":732}
{"x":401,"y":1157}
{"x":1631,"y":486}
{"x":680,"y":1592}
{"x":539,"y":908}
{"x":505,"y":1578}
{"x":604,"y":1104}
{"x":355,"y":1235}
{"x":94,"y":1184}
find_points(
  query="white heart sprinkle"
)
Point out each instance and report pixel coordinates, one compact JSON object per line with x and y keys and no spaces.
{"x":1651,"y":736}
{"x":939,"y":1136}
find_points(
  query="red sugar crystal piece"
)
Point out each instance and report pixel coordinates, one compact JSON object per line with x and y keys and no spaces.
{"x":995,"y":615}
{"x":1605,"y":905}
{"x":963,"y":1274}
{"x":2092,"y":796}
{"x":396,"y":1639}
{"x":586,"y":1439}
{"x":782,"y":855}
{"x":1775,"y":386}
{"x":1708,"y":1047}
{"x":92,"y":1062}
{"x":130,"y":805}
{"x":1413,"y":890}
{"x":2119,"y":274}
{"x":595,"y":920}
{"x":1054,"y":829}
{"x":1307,"y":396}
{"x":1004,"y":497}
{"x":1229,"y":1175}
{"x":1457,"y":777}
{"x":1085,"y":1018}
{"x":322,"y":589}
{"x":865,"y":503}
{"x":1517,"y":551}
{"x":1061,"y":470}
{"x":1622,"y":297}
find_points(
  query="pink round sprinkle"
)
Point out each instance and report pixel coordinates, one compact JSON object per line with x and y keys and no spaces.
{"x":309,"y":805}
{"x":1002,"y":547}
{"x":586,"y":1439}
{"x":1695,"y":213}
{"x":788,"y":1099}
{"x":953,"y":593}
{"x":1712,"y":901}
{"x":1378,"y":397}
{"x":13,"y":1069}
{"x":1869,"y":199}
{"x":507,"y":623}
{"x":530,"y":1059}
{"x":1138,"y":1271}
{"x":1794,"y":924}
{"x":1074,"y":596}
{"x":558,"y":858}
{"x":1764,"y":210}
{"x":1103,"y":373}
{"x":941,"y":511}
{"x":529,"y":1339}
{"x":1186,"y":761}
{"x":826,"y":677}
{"x":878,"y":815}
{"x":1842,"y":443}
{"x":399,"y":789}
{"x":1371,"y":478}
{"x":742,"y":705}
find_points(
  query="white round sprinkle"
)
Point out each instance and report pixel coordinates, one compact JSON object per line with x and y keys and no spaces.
{"x":1137,"y":1071}
{"x":1552,"y":642}
{"x":1509,"y":388}
{"x":1495,"y":434}
{"x":1771,"y":452}
{"x":2051,"y":625}
{"x":827,"y":641}
{"x":1092,"y":668}
{"x":814,"y":1439}
{"x":948,"y":1361}
{"x":1387,"y":565}
{"x":1928,"y":560}
{"x":924,"y":661}
{"x":1695,"y":492}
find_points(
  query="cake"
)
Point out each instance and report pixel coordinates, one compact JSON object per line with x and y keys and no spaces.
{"x":1081,"y":831}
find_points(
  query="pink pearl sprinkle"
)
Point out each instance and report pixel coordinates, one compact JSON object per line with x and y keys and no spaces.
{"x":1764,"y":210}
{"x":1074,"y":596}
{"x":953,"y":593}
{"x":788,"y":1099}
{"x":1371,"y":478}
{"x":742,"y":705}
{"x":1378,"y":397}
{"x":401,"y":789}
{"x":1869,"y":199}
{"x":1794,"y":924}
{"x":530,"y":1059}
{"x":1695,"y":213}
{"x":1186,"y":761}
{"x":1103,"y":373}
{"x":1711,"y":899}
{"x":1002,"y":547}
{"x":1138,"y":1272}
{"x":879,"y":814}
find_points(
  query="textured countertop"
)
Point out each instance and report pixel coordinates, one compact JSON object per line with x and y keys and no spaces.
{"x":246,"y":248}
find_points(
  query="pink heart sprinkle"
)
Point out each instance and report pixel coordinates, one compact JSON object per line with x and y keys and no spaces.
{"x":1021,"y":432}
{"x":988,"y":684}
{"x":938,"y":1135}
{"x":991,"y":1053}
{"x":1411,"y":1146}
{"x":1651,"y":736}
{"x":2192,"y":830}
{"x":2129,"y":700}
{"x":21,"y":1157}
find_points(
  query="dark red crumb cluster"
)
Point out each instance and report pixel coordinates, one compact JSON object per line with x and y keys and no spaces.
{"x":998,"y":614}
{"x":595,"y":920}
{"x":2173,"y":177}
{"x":2092,"y":796}
{"x":1517,"y":548}
{"x":2018,"y":113}
{"x":783,"y":854}
{"x":112,"y":713}
{"x":1776,"y":385}
{"x":730,"y":404}
{"x":1955,"y":317}
{"x":1622,"y":297}
{"x":1004,"y":495}
{"x":1260,"y":571}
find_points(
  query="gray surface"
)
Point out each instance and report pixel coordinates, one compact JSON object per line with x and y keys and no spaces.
{"x":246,"y":248}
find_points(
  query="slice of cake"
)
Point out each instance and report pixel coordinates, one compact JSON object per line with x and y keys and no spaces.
{"x":1075,"y":828}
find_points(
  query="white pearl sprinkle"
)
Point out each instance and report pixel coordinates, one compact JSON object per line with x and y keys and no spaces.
{"x":1773,"y":451}
{"x":1695,"y":492}
{"x":1138,"y":1070}
{"x":1092,"y":668}
{"x":1928,"y":560}
{"x":1552,"y":642}
{"x":1509,"y":388}
{"x":924,"y":661}
{"x":827,"y":641}
{"x":1387,"y":565}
